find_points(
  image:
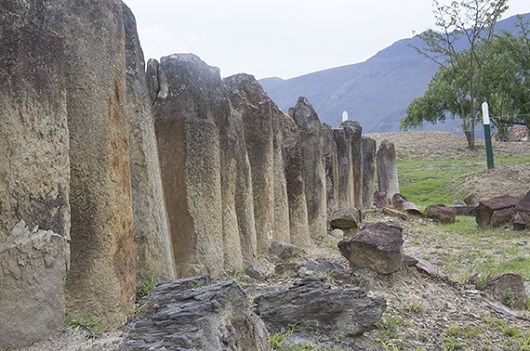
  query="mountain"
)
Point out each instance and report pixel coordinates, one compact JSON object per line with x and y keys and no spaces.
{"x":375,"y":92}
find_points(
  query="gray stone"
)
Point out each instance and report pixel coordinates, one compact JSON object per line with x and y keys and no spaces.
{"x":523,"y":208}
{"x":323,"y":266}
{"x":357,"y":161}
{"x":152,"y":241}
{"x":211,"y":318}
{"x":387,"y":175}
{"x":378,"y":246}
{"x":256,"y":273}
{"x":285,"y":251}
{"x":336,"y":313}
{"x":34,"y":177}
{"x":337,"y":233}
{"x":368,"y":177}
{"x":101,"y":282}
{"x":249,"y":99}
{"x":190,"y":97}
{"x":311,"y":148}
{"x":344,"y":169}
{"x":331,"y":168}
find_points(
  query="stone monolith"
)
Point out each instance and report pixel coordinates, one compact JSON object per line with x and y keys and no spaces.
{"x":356,"y":161}
{"x":154,"y":253}
{"x":189,"y":95}
{"x":368,"y":178}
{"x":387,"y":175}
{"x":34,"y":178}
{"x":342,"y":138}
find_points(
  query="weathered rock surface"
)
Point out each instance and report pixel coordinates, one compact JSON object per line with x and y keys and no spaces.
{"x":190,"y":95}
{"x":378,"y":246}
{"x":101,"y":282}
{"x":346,"y":218}
{"x":369,"y":148}
{"x":523,"y":208}
{"x":152,"y":241}
{"x":472,"y":199}
{"x":310,"y":147}
{"x":184,"y":315}
{"x":357,"y":161}
{"x":249,"y":99}
{"x":440,"y":213}
{"x":285,"y":251}
{"x":331,"y":169}
{"x":34,"y":177}
{"x":335,"y":313}
{"x":342,"y":138}
{"x":400,"y":202}
{"x":503,"y":205}
{"x":387,"y":175}
{"x":509,"y":288}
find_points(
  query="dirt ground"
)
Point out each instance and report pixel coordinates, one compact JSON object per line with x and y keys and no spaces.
{"x":424,"y":312}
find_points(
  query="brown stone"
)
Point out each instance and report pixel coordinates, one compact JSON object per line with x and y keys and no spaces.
{"x":379,"y":247}
{"x":501,"y":217}
{"x":342,"y":139}
{"x":101,"y":282}
{"x":519,"y":223}
{"x":400,"y":203}
{"x":311,"y":149}
{"x":357,"y":160}
{"x":387,"y":175}
{"x":487,"y":207}
{"x":190,"y":96}
{"x":368,"y":177}
{"x":331,"y":168}
{"x":523,"y":207}
{"x":34,"y":178}
{"x":472,"y":199}
{"x":392,"y":212}
{"x":440,"y":213}
{"x":152,"y":242}
{"x":346,"y":218}
{"x":509,"y":288}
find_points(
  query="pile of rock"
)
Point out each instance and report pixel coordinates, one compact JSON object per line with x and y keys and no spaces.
{"x":504,"y":210}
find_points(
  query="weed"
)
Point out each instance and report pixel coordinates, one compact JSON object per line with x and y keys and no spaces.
{"x":147,"y":286}
{"x":508,"y":298}
{"x":92,"y":326}
{"x":510,"y":331}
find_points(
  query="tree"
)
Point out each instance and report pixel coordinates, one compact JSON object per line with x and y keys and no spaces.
{"x":462,"y":24}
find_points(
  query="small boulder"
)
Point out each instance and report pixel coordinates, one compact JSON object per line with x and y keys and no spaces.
{"x":509,"y":288}
{"x":381,"y":200}
{"x":337,"y":233}
{"x":518,"y":222}
{"x":392,"y":212}
{"x":523,"y":208}
{"x":400,"y":202}
{"x":472,"y":200}
{"x":501,"y":217}
{"x":323,"y":266}
{"x":285,"y":251}
{"x":486,"y":208}
{"x":256,"y":273}
{"x":287,"y":267}
{"x":378,"y":246}
{"x":338,"y":313}
{"x":346,"y":218}
{"x":441,"y":213}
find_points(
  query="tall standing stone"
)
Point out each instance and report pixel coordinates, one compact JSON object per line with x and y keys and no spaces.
{"x":34,"y":177}
{"x":101,"y":282}
{"x":311,"y":145}
{"x":331,"y":167}
{"x":257,"y":113}
{"x":189,"y":95}
{"x":368,"y":162}
{"x":342,"y":138}
{"x":356,"y":160}
{"x":387,"y":174}
{"x":154,"y":254}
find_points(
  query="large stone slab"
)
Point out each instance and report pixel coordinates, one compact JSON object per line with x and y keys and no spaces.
{"x":185,"y":315}
{"x":523,"y":208}
{"x":336,"y":313}
{"x":311,"y":147}
{"x":356,"y":160}
{"x":387,"y":175}
{"x":152,"y":242}
{"x":189,"y":96}
{"x":331,"y":164}
{"x":101,"y":282}
{"x":369,"y":147}
{"x":344,"y":167}
{"x":34,"y":177}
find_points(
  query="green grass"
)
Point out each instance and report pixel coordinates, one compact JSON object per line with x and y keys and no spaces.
{"x":426,"y":182}
{"x":92,"y":326}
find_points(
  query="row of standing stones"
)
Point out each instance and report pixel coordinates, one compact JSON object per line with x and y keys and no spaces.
{"x":111,"y":171}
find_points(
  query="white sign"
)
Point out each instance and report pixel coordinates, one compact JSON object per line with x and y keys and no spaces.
{"x":485,"y":113}
{"x":344,"y":116}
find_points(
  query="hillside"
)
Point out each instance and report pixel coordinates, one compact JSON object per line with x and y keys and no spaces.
{"x":375,"y":92}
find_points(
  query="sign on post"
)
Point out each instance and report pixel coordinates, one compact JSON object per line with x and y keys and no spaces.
{"x":487,"y":135}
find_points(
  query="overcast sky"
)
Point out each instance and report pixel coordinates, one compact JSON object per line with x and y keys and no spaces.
{"x":282,"y":38}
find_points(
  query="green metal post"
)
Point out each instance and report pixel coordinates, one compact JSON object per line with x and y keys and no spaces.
{"x":487,"y":135}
